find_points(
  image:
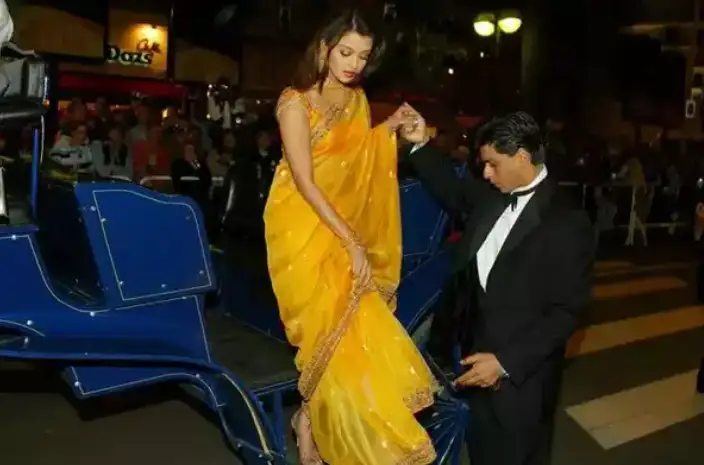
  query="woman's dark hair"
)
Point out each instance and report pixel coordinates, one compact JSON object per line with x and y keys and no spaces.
{"x":310,"y":73}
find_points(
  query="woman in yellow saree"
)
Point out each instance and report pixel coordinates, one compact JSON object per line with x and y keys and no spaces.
{"x":334,"y":253}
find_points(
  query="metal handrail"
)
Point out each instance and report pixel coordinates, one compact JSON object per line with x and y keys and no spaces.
{"x":217,"y":180}
{"x":120,"y":178}
{"x":3,"y":200}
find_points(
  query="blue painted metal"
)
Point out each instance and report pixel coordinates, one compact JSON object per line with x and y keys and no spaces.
{"x":244,"y":291}
{"x":420,"y":288}
{"x":423,"y":222}
{"x":126,"y":310}
{"x":167,"y":256}
{"x":36,"y":164}
{"x":124,"y":244}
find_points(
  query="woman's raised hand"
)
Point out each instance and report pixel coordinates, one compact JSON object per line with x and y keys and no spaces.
{"x":414,"y":128}
{"x":402,"y":116}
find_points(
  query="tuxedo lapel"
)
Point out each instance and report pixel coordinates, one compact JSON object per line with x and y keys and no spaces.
{"x":530,"y":217}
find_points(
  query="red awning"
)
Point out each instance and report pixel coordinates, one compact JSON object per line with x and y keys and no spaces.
{"x":104,"y":84}
{"x":468,"y":122}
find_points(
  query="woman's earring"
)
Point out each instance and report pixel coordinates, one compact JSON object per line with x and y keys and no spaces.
{"x":323,"y":53}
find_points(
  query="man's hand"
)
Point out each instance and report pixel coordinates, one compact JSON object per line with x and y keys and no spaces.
{"x":414,"y":129}
{"x":401,"y":116}
{"x":486,"y":371}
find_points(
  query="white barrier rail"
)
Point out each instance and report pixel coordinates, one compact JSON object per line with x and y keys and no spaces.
{"x":633,"y":223}
{"x":217,"y":180}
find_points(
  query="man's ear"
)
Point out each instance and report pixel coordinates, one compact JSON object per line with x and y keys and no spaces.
{"x":524,"y":155}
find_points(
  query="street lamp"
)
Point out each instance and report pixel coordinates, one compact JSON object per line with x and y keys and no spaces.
{"x":485,"y":24}
{"x":510,"y":21}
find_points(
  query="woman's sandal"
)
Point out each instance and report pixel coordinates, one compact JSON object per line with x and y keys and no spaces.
{"x":313,"y":458}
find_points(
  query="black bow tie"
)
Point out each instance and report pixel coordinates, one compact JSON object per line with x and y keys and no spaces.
{"x":512,"y":199}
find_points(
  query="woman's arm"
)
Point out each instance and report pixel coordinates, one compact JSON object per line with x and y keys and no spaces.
{"x":295,"y":136}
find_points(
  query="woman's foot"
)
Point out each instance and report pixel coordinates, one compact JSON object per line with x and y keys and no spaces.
{"x":307,"y":452}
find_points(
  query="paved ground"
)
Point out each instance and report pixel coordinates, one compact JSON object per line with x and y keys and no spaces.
{"x":628,"y":396}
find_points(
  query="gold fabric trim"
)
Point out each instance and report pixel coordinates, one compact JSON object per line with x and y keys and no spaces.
{"x":288,"y":97}
{"x":424,"y":455}
{"x":314,"y":369}
{"x":330,"y":115}
{"x":420,"y":400}
{"x":389,"y":294}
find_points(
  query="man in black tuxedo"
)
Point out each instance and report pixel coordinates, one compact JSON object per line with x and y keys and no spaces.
{"x":526,"y":261}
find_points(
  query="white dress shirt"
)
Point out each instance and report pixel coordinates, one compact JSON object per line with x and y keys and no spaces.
{"x":490,"y":248}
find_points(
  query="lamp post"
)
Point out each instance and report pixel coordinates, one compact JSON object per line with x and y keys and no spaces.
{"x":486,"y":25}
{"x":489,"y":24}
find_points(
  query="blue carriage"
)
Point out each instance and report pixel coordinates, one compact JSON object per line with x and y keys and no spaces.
{"x":108,"y":280}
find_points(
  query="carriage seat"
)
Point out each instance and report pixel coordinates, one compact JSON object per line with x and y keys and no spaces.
{"x":13,"y":211}
{"x":64,"y":245}
{"x":423,"y":223}
{"x":20,"y":111}
{"x":261,"y":362}
{"x":124,"y":243}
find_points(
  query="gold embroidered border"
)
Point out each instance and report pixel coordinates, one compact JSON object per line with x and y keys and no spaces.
{"x":314,"y":369}
{"x":389,"y":294}
{"x":329,"y":117}
{"x":420,"y":400}
{"x":424,"y":455}
{"x":289,"y":97}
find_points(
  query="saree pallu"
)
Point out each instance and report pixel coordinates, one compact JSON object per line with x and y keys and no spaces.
{"x":361,"y":374}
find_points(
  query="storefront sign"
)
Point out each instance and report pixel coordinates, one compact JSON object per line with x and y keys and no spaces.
{"x":142,"y":54}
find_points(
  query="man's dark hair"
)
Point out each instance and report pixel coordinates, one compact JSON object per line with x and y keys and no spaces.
{"x":508,"y":134}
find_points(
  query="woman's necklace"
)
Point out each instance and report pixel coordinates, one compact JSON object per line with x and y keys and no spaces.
{"x":335,"y":95}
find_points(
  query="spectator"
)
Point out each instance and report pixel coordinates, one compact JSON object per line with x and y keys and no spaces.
{"x":111,"y":157}
{"x":138,"y":132}
{"x":149,"y":156}
{"x":263,"y":164}
{"x":221,"y":158}
{"x":71,"y":148}
{"x":192,"y":165}
{"x":131,"y":116}
{"x":174,"y":139}
{"x":76,"y":112}
{"x":100,"y":121}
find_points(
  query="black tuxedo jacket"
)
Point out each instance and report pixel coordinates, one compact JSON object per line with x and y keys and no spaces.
{"x":538,"y":288}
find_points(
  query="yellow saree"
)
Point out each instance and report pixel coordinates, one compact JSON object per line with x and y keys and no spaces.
{"x":361,"y":374}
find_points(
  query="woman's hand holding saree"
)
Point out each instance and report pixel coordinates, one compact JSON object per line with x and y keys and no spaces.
{"x":361,"y":375}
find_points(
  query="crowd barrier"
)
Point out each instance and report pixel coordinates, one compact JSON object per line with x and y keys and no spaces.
{"x":625,"y":203}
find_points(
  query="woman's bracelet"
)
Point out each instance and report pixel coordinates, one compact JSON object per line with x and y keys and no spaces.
{"x":352,"y":242}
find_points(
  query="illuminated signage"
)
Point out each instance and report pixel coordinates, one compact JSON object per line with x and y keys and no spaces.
{"x":141,"y":55}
